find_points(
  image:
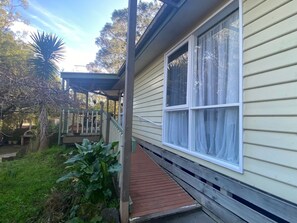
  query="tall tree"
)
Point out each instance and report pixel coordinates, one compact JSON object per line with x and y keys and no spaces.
{"x":112,"y":39}
{"x":27,"y":84}
{"x":8,"y":12}
{"x":13,"y":57}
{"x":48,"y":50}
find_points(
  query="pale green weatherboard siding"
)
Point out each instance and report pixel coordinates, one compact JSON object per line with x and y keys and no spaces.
{"x":269,"y":94}
{"x":148,"y":99}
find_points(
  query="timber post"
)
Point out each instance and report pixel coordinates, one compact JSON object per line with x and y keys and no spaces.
{"x":119,"y":108}
{"x":73,"y":114}
{"x":107,"y":128}
{"x":114,"y":109}
{"x":101,"y":117}
{"x":87,"y":101}
{"x":107,"y":122}
{"x":60,"y":127}
{"x":107,"y":105}
{"x":61,"y":114}
{"x":128,"y":112}
{"x":65,"y":124}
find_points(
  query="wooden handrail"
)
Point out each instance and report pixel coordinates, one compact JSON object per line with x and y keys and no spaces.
{"x":147,"y":120}
{"x":120,"y":129}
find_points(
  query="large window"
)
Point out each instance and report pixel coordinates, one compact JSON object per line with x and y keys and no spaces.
{"x":202,"y":105}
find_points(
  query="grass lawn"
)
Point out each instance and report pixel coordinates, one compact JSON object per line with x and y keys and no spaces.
{"x":25,"y":184}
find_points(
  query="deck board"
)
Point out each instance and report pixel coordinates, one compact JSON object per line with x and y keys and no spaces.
{"x":152,"y":190}
{"x":71,"y":139}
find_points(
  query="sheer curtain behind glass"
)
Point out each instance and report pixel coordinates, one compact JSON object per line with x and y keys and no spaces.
{"x":177,"y":119}
{"x":177,"y":128}
{"x":217,"y":83}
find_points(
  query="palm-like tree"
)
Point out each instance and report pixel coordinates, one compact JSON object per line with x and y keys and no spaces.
{"x":48,"y":51}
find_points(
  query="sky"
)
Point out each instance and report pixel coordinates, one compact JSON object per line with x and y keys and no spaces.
{"x":77,"y":22}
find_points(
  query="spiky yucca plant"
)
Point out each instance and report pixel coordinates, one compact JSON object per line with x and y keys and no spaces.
{"x":48,"y":50}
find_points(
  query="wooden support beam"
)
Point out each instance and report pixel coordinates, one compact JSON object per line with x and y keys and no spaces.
{"x":73,"y":113}
{"x":128,"y":112}
{"x":107,"y":128}
{"x":65,"y":124}
{"x":87,"y":100}
{"x":119,"y":109}
{"x":114,"y":109}
{"x":101,"y":117}
{"x":62,"y":84}
{"x":61,"y":115}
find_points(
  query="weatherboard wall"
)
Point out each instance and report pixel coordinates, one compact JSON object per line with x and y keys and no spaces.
{"x":148,"y":99}
{"x":269,"y":96}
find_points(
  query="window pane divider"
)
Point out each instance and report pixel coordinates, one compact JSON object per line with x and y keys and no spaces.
{"x":180,"y":108}
{"x":215,"y":106}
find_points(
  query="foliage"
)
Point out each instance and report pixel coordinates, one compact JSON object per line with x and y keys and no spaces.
{"x":8,"y":13}
{"x":25,"y":184}
{"x":13,"y":68}
{"x":48,"y":50}
{"x":91,"y":170}
{"x":13,"y":56}
{"x":92,"y":167}
{"x":22,"y":92}
{"x":112,"y":39}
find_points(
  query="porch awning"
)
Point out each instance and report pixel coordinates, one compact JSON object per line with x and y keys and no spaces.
{"x":92,"y":82}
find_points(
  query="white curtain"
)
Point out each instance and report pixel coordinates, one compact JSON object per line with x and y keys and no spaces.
{"x":216,"y":83}
{"x":177,"y":128}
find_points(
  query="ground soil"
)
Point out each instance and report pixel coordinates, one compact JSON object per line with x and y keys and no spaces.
{"x":9,"y":149}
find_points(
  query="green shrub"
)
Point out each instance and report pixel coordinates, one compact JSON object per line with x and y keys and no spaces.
{"x":92,"y":168}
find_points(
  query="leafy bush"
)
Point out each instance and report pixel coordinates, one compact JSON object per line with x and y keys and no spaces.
{"x":92,"y":168}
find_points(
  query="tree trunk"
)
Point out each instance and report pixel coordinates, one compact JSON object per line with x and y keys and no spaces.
{"x":42,"y":131}
{"x":21,"y":123}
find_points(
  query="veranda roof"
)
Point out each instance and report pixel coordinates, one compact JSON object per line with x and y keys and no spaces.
{"x":83,"y":82}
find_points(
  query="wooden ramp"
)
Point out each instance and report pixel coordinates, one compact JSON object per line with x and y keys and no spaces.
{"x":153,"y":192}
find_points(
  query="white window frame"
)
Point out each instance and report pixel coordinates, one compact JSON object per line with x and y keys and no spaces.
{"x":184,"y":107}
{"x":191,"y":40}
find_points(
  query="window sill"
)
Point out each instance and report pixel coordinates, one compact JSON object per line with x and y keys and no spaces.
{"x":237,"y":168}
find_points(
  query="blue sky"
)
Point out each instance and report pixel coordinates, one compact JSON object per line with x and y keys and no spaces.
{"x":78,"y":22}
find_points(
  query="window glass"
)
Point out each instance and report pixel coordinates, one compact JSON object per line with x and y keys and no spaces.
{"x":177,"y":128}
{"x":216,"y":133}
{"x":217,"y":75}
{"x":177,"y":71}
